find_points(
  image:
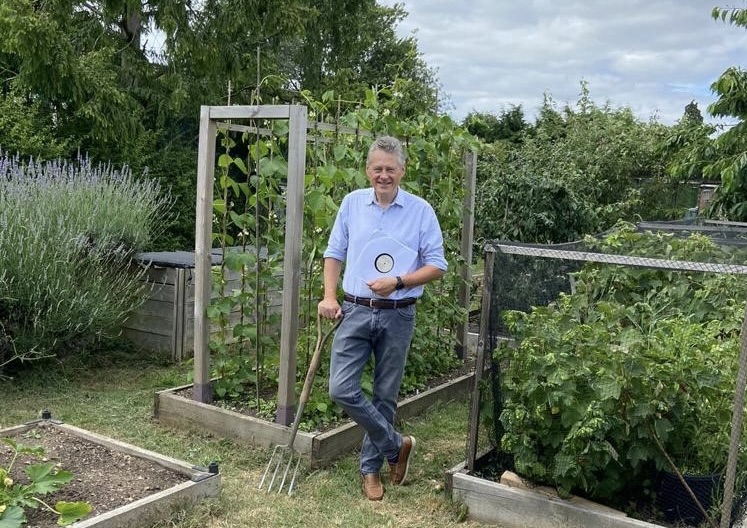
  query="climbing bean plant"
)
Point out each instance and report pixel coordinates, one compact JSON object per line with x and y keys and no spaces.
{"x":249,"y":213}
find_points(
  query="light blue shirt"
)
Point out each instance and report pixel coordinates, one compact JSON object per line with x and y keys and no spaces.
{"x":375,"y":242}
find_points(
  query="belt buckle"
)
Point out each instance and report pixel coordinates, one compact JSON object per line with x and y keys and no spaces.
{"x":371,"y":302}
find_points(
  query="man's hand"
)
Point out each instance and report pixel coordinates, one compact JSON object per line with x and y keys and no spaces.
{"x":329,"y":309}
{"x":383,"y":286}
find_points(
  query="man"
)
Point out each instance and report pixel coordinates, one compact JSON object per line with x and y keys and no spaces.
{"x":391,"y":243}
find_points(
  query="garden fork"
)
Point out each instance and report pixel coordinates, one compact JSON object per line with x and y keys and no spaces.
{"x":284,"y":456}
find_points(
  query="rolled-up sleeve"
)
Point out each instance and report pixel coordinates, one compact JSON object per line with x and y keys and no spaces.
{"x":337,"y":246}
{"x":432,"y":246}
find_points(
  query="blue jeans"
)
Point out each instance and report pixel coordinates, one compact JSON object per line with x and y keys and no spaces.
{"x":386,"y":334}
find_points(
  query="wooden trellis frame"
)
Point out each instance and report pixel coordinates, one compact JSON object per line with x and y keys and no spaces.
{"x":210,"y":116}
{"x":299,"y":132}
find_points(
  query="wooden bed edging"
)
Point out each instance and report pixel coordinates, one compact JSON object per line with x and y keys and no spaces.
{"x":150,"y":509}
{"x":321,"y":448}
{"x":495,"y":503}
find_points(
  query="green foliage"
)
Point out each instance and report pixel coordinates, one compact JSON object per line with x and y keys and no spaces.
{"x":729,"y":161}
{"x":43,"y":478}
{"x":26,"y":127}
{"x":79,"y":76}
{"x":509,"y":126}
{"x":517,"y":203}
{"x":577,"y":171}
{"x":71,"y":69}
{"x":350,"y":46}
{"x":736,"y":16}
{"x":687,"y":149}
{"x":633,"y":358}
{"x":247,"y":212}
{"x":70,"y":231}
{"x":724,"y":157}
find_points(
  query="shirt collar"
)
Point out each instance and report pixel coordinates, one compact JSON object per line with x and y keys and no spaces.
{"x":398,"y":200}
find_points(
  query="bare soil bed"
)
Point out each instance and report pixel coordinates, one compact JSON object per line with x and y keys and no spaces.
{"x":104,"y":478}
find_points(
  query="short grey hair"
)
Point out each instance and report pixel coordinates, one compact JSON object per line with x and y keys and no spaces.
{"x":390,"y":145}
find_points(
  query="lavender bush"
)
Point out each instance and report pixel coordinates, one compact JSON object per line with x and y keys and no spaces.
{"x":68,"y":234}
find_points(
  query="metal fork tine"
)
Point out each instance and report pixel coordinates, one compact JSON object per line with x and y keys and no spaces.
{"x":293,"y":480}
{"x":285,"y":473}
{"x":281,"y":458}
{"x":267,"y":469}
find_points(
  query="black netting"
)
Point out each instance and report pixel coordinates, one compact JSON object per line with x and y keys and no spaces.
{"x":606,"y":341}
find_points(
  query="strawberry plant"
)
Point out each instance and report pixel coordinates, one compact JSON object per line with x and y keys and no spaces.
{"x":43,"y":478}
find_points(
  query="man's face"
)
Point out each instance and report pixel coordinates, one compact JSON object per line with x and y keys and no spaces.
{"x":384,"y":173}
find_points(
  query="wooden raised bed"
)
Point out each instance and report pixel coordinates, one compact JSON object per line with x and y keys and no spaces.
{"x":199,"y":483}
{"x":509,"y":507}
{"x":491,"y":502}
{"x":321,"y":448}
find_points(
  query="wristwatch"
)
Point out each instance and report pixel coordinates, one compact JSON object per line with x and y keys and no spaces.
{"x":400,"y":284}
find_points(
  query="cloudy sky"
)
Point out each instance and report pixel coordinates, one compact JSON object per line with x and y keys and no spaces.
{"x":654,"y":56}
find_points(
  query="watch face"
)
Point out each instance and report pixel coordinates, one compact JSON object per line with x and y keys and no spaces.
{"x":384,"y":263}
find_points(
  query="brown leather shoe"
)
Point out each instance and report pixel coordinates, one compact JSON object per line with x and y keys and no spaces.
{"x":398,"y":470}
{"x":372,"y":488}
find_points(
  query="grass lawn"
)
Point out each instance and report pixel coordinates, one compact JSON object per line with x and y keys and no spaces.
{"x":112,"y":395}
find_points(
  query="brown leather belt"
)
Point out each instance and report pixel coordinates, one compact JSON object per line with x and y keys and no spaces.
{"x":384,"y":304}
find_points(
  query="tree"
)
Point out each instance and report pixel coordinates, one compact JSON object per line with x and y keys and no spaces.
{"x":692,"y":115}
{"x":688,"y":147}
{"x":80,"y":75}
{"x":350,"y":46}
{"x":729,"y":161}
{"x":580,"y":170}
{"x":508,"y":126}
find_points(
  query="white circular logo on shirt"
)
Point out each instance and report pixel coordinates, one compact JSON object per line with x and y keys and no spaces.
{"x":384,"y":263}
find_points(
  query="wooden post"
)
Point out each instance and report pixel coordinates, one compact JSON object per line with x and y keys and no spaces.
{"x":736,"y":429}
{"x":468,"y":224}
{"x":483,"y":348}
{"x":292,"y":264}
{"x":177,"y":337}
{"x":203,"y":242}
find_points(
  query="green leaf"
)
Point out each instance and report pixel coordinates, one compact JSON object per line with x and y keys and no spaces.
{"x":340,"y":151}
{"x":663,"y":427}
{"x":608,"y":389}
{"x":237,"y":219}
{"x":71,"y":511}
{"x":315,"y":200}
{"x":272,"y":166}
{"x":45,"y":479}
{"x":12,"y":517}
{"x":240,"y":165}
{"x":246,"y":331}
{"x":638,"y":453}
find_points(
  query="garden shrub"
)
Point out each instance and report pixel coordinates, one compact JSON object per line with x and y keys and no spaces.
{"x":68,"y":235}
{"x":634,"y":362}
{"x":576,"y":171}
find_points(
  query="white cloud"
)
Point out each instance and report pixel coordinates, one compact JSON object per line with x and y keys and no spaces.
{"x":654,"y":56}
